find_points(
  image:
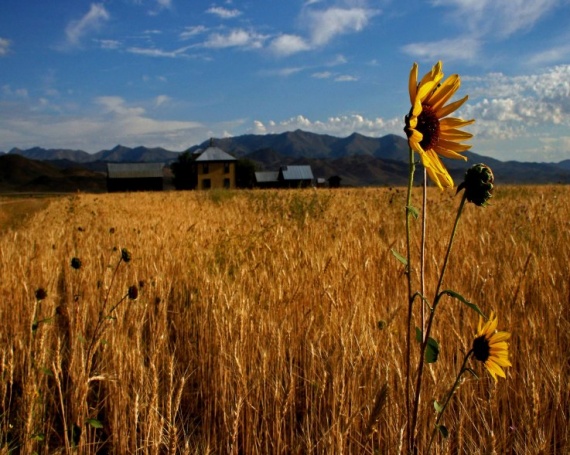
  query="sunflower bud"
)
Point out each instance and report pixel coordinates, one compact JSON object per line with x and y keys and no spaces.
{"x":125,"y":255}
{"x":133,"y":292}
{"x":478,"y":184}
{"x":41,"y":294}
{"x":76,"y":263}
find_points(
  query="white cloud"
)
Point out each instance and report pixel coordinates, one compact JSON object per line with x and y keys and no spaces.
{"x":507,"y":108}
{"x":113,"y":122}
{"x":447,"y":49}
{"x":553,"y":55}
{"x":327,"y":24}
{"x":92,"y":21}
{"x":153,"y":52}
{"x":189,"y":32}
{"x":14,"y":93}
{"x":4,"y":46}
{"x":288,"y":44}
{"x":224,"y":13}
{"x":236,"y":38}
{"x":161,"y":99}
{"x":322,"y":75}
{"x":345,"y":78}
{"x":109,"y":44}
{"x":322,"y":27}
{"x":340,"y":126}
{"x":498,"y":17}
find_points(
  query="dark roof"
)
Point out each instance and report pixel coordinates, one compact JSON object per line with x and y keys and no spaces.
{"x":214,"y":154}
{"x":266,"y":177}
{"x":297,"y":172}
{"x":134,"y":170}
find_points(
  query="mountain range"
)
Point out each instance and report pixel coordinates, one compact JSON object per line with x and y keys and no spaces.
{"x":359,"y":160}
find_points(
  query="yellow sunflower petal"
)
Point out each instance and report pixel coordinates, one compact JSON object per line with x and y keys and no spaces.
{"x":495,"y":368}
{"x":455,"y":146}
{"x":449,"y":123}
{"x":435,"y":74}
{"x":449,"y":153}
{"x":502,"y":362}
{"x":454,"y":134}
{"x":413,"y":83}
{"x":446,"y":110}
{"x":423,"y":91}
{"x":445,"y":91}
{"x":500,"y":336}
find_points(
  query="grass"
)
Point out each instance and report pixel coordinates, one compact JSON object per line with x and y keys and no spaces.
{"x":271,"y":321}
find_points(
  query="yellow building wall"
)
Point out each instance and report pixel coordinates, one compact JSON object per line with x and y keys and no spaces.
{"x":217,"y":175}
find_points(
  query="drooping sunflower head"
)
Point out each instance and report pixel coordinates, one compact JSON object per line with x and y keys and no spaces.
{"x":491,"y":347}
{"x":430,"y":132}
{"x":478,"y":184}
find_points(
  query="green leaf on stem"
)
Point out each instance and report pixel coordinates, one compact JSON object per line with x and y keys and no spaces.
{"x":464,"y":300}
{"x":399,"y":257}
{"x":94,"y":423}
{"x":413,"y":211}
{"x":432,"y":351}
{"x":443,"y":430}
{"x":419,"y":335}
{"x":432,"y":348}
{"x":438,"y":407}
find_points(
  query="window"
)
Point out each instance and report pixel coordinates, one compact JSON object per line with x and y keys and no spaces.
{"x":206,"y":184}
{"x":227,"y":183}
{"x":205,"y":168}
{"x":226,"y":168}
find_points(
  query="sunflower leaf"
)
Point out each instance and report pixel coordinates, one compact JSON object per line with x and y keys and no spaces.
{"x":463,"y":300}
{"x":413,"y":211}
{"x":443,"y":430}
{"x":438,"y":407}
{"x":94,"y":423}
{"x":419,"y":335}
{"x":432,"y":350}
{"x":399,"y":257}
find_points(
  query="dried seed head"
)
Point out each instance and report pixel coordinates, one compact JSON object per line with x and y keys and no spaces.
{"x":76,"y":263}
{"x":478,"y":184}
{"x":133,"y":292}
{"x":41,"y":294}
{"x":125,"y":255}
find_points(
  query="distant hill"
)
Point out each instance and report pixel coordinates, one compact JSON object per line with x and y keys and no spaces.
{"x":117,"y":154}
{"x":20,"y":174}
{"x":359,"y":160}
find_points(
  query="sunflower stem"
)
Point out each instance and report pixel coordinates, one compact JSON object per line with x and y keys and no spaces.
{"x":430,"y":321}
{"x":448,"y":398}
{"x":411,"y":297}
{"x":422,"y":252}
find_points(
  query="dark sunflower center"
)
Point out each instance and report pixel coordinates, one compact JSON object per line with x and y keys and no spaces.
{"x":481,"y":348}
{"x":428,"y":125}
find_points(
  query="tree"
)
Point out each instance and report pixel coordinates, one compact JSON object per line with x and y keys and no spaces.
{"x":245,"y":173}
{"x":184,"y":173}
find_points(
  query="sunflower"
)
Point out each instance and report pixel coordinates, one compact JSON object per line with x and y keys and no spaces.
{"x":491,"y":347}
{"x":430,"y":132}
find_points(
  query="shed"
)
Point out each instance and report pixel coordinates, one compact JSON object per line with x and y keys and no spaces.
{"x":296,"y":176}
{"x":135,"y":177}
{"x":267,"y":179}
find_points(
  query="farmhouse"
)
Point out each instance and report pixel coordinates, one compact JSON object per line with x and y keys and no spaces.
{"x":286,"y":177}
{"x":135,"y":177}
{"x":215,"y":169}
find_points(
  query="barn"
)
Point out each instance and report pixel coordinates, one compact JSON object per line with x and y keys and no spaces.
{"x":135,"y":177}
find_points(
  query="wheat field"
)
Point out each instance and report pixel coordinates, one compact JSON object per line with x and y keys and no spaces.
{"x":268,"y":322}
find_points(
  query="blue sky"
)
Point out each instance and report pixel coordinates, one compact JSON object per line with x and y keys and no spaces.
{"x":172,"y":73}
